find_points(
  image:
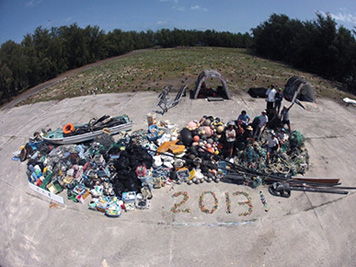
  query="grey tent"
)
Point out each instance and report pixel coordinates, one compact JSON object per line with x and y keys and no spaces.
{"x":206,"y":74}
{"x":299,"y":88}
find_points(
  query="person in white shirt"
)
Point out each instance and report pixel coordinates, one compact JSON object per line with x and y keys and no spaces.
{"x":273,"y":145}
{"x":271,"y":98}
{"x":230,"y":138}
{"x":282,"y":136}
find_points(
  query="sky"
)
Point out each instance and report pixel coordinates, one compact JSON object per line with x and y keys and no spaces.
{"x":19,"y":17}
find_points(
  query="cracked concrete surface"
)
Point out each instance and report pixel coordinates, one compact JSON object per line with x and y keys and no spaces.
{"x":308,"y":229}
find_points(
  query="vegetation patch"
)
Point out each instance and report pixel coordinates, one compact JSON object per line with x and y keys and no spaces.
{"x":151,"y":70}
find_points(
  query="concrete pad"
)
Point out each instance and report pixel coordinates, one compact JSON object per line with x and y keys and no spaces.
{"x":308,"y":229}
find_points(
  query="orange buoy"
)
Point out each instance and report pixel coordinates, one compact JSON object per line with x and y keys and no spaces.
{"x":68,"y":128}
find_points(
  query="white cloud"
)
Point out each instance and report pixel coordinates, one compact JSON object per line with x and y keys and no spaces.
{"x":196,"y":7}
{"x":33,"y":3}
{"x":178,"y":8}
{"x":68,"y":19}
{"x":350,"y":18}
{"x":343,"y":17}
{"x":161,"y":22}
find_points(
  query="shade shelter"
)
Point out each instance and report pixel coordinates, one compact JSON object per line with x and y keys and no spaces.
{"x":299,"y":88}
{"x":206,"y":74}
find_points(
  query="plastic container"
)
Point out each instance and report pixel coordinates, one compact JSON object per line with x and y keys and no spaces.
{"x":183,"y":175}
{"x":151,"y":119}
{"x":222,"y":167}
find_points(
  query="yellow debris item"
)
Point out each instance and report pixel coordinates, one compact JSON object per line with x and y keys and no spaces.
{"x":165,"y":146}
{"x":177,"y":149}
{"x":51,"y":188}
{"x":191,"y":174}
{"x":68,"y":179}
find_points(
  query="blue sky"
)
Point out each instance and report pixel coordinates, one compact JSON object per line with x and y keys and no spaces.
{"x":19,"y":17}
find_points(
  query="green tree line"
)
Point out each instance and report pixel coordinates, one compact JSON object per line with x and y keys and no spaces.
{"x":317,"y":46}
{"x":49,"y":52}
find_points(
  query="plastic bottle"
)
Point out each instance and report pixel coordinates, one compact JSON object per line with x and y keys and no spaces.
{"x":38,"y":171}
{"x":174,"y":136}
{"x":31,"y":168}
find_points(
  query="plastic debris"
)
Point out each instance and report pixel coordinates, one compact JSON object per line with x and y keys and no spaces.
{"x":115,"y":174}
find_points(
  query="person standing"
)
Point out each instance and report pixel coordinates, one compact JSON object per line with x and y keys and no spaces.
{"x":285,"y":117}
{"x":271,"y":94}
{"x":230,"y":138}
{"x":262,"y":122}
{"x":273,"y":145}
{"x":278,"y":101}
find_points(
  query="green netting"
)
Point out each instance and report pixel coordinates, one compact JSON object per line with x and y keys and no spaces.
{"x":296,"y":139}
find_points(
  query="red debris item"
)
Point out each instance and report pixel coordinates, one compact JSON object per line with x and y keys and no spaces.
{"x":141,"y":171}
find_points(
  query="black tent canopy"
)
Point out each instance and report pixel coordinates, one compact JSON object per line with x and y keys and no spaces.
{"x":299,"y":88}
{"x":206,"y":74}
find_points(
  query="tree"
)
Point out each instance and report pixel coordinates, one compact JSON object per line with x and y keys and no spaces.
{"x":11,"y":55}
{"x":316,"y":46}
{"x":6,"y":81}
{"x":272,"y":37}
{"x":76,"y":43}
{"x":31,"y":61}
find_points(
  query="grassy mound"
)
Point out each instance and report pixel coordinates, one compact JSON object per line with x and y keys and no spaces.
{"x":152,"y":69}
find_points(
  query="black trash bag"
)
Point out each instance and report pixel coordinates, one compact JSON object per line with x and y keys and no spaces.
{"x":133,"y":184}
{"x":147,"y":159}
{"x":121,"y":163}
{"x":123,"y":175}
{"x":124,"y":154}
{"x":43,"y":148}
{"x":134,"y":162}
{"x":113,"y":150}
{"x":139,"y":156}
{"x":118,"y":187}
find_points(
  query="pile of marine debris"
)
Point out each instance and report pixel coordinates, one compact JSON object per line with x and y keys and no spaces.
{"x":120,"y":174}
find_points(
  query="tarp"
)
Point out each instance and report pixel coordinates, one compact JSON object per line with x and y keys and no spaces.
{"x":206,"y":74}
{"x":306,"y":92}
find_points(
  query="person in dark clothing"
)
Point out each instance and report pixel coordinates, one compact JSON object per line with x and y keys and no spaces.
{"x":248,"y":134}
{"x":278,"y":101}
{"x":285,"y":117}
